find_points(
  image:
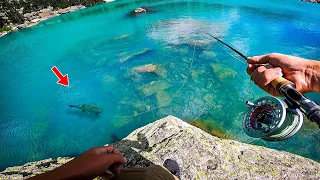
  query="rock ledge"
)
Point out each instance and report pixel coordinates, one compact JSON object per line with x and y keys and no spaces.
{"x":190,"y":153}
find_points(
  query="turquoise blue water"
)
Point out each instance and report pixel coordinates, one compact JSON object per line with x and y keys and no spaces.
{"x":99,"y":46}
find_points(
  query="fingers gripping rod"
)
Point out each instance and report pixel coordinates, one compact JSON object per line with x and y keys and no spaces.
{"x":288,"y":89}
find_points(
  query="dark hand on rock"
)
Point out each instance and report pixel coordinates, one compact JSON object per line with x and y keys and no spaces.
{"x":95,"y":162}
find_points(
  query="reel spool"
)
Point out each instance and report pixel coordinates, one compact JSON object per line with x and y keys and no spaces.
{"x":271,"y":119}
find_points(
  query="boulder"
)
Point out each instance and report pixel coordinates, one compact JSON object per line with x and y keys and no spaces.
{"x":191,"y":153}
{"x":3,"y":33}
{"x":29,"y":15}
{"x":223,"y":72}
{"x":21,"y":26}
{"x":46,"y":10}
{"x":163,"y":98}
{"x":154,"y":87}
{"x":140,"y":10}
{"x":124,"y":36}
{"x":208,"y":54}
{"x":126,"y":56}
{"x":63,"y":11}
{"x":35,"y":20}
{"x":150,"y":68}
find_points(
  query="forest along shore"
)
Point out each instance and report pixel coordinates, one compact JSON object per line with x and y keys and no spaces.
{"x":15,"y":15}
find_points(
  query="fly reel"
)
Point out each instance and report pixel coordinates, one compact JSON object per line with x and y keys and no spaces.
{"x":271,"y":119}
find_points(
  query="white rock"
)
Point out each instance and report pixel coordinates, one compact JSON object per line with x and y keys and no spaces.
{"x":35,"y":20}
{"x":140,"y":10}
{"x":63,"y":11}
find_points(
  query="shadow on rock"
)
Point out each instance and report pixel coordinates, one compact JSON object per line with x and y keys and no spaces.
{"x":131,"y":149}
{"x":172,"y":166}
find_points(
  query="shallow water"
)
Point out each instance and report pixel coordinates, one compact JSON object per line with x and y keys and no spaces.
{"x":99,"y":46}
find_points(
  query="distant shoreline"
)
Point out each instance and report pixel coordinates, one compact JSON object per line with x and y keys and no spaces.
{"x":33,"y":18}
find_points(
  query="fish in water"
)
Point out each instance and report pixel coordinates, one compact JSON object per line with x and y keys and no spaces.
{"x":89,"y":107}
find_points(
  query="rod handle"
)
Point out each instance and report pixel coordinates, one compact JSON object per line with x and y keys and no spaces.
{"x":280,"y":82}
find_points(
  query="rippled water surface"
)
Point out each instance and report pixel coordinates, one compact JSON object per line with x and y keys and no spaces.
{"x":194,"y":78}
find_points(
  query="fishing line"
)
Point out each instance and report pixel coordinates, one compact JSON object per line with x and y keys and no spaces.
{"x":183,"y":84}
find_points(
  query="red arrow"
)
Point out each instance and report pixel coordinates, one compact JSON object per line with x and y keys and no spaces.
{"x":63,"y":80}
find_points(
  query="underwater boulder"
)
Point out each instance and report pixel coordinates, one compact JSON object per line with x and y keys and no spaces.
{"x":163,"y":98}
{"x":208,"y":54}
{"x":124,"y":36}
{"x":126,"y":56}
{"x":209,"y":98}
{"x":222,"y":72}
{"x":150,"y":68}
{"x":154,"y":87}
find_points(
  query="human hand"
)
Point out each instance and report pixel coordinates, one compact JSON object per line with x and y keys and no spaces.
{"x":89,"y":165}
{"x":294,"y":69}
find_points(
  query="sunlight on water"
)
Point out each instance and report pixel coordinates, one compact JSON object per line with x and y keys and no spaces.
{"x":143,"y":68}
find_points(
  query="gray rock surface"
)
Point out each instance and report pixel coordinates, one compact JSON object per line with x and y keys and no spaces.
{"x":191,"y":153}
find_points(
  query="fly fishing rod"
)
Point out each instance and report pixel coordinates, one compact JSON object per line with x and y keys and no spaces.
{"x":274,"y":119}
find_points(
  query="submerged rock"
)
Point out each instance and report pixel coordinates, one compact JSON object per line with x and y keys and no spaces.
{"x":154,"y":86}
{"x":122,"y":37}
{"x":190,"y":153}
{"x":163,"y":98}
{"x":211,"y":127}
{"x":128,"y":56}
{"x":223,"y":72}
{"x":208,"y":54}
{"x":150,"y":68}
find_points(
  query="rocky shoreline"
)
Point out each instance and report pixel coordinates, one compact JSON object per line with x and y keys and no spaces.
{"x":190,"y":153}
{"x":33,"y":18}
